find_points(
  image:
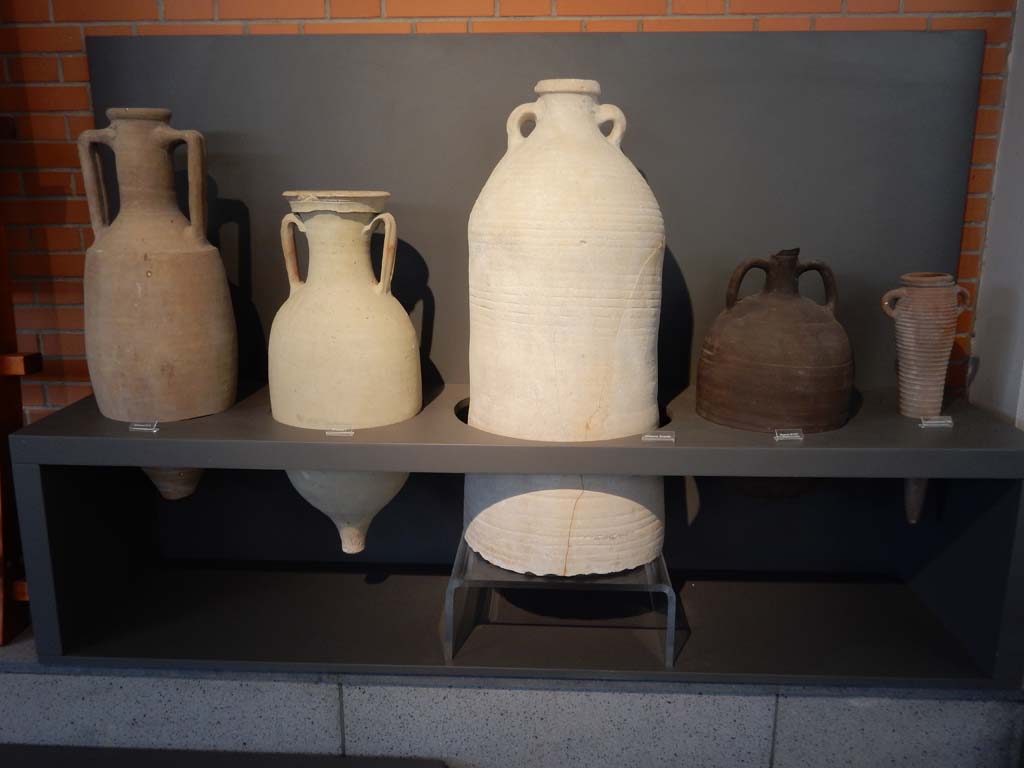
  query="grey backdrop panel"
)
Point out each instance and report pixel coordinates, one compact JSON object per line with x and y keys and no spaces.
{"x":855,"y":147}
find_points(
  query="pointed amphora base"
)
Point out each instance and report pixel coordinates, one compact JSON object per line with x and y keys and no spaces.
{"x":353,"y":537}
{"x":174,"y":482}
{"x":349,"y":499}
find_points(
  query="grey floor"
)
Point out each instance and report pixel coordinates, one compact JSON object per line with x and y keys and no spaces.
{"x":473,"y":723}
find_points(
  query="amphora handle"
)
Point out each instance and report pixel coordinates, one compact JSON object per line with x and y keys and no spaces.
{"x":890,"y":298}
{"x":387,"y":264}
{"x":92,"y":175}
{"x":195,"y":146}
{"x":827,"y":277}
{"x":609,"y":113}
{"x":524,"y":113}
{"x":738,"y":274}
{"x":291,"y":263}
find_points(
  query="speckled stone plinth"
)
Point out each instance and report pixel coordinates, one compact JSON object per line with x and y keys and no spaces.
{"x":877,"y":732}
{"x":170,"y":712}
{"x":543,"y":727}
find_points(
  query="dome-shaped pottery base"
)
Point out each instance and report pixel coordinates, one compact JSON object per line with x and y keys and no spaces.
{"x":565,"y":525}
{"x":350,"y":499}
{"x":174,"y":482}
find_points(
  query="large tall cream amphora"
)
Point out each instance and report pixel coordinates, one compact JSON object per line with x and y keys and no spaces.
{"x":566,"y":243}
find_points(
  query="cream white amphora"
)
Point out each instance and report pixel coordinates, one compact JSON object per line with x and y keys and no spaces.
{"x":343,"y":351}
{"x":566,"y":243}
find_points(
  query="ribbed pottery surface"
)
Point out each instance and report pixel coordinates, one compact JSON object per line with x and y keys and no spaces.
{"x":774,"y":362}
{"x":565,"y":297}
{"x":776,"y":359}
{"x":566,"y":243}
{"x":925,"y":327}
{"x":565,"y":524}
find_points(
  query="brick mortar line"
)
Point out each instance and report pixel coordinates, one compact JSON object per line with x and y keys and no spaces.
{"x":37,"y":305}
{"x":42,"y":199}
{"x":42,"y":84}
{"x":53,"y":113}
{"x":34,"y":282}
{"x":82,"y":25}
{"x":601,"y":17}
{"x":46,"y":279}
{"x":42,"y":254}
{"x":34,"y":169}
{"x":55,"y":330}
{"x":64,"y":225}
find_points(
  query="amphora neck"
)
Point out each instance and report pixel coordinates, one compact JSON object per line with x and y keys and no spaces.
{"x":783,"y":272}
{"x":143,"y":145}
{"x":927,"y":280}
{"x":567,"y":105}
{"x":339,"y":247}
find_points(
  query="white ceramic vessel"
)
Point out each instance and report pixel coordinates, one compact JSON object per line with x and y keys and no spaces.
{"x":566,"y":243}
{"x":343,"y":351}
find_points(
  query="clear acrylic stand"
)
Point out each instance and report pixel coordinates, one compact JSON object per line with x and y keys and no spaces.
{"x":479,"y":578}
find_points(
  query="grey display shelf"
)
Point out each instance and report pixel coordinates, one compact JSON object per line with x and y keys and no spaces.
{"x":946,"y":607}
{"x":877,"y":442}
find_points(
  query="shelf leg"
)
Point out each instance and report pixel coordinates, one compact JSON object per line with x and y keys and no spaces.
{"x":914,"y":491}
{"x":35,"y":543}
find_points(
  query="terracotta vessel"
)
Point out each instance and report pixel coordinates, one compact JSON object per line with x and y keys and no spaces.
{"x":777,"y":359}
{"x":566,"y":242}
{"x":925,"y":308}
{"x":174,"y":482}
{"x":343,"y":351}
{"x":159,"y":329}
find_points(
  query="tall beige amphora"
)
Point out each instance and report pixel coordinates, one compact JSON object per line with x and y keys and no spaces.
{"x":343,"y":351}
{"x":159,"y":331}
{"x":925,"y":308}
{"x":566,"y":243}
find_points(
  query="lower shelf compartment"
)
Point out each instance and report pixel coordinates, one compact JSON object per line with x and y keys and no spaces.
{"x":389,"y":620}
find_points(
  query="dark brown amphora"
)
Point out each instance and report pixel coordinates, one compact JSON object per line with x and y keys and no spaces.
{"x":777,"y":360}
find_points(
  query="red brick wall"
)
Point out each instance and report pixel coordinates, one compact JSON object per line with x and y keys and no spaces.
{"x":45,"y":104}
